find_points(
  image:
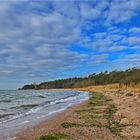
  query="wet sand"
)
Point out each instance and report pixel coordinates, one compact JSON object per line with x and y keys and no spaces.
{"x":52,"y":124}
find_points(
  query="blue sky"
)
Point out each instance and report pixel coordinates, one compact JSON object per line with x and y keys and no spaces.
{"x":43,"y":40}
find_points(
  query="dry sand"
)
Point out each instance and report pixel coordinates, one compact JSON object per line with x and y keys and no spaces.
{"x":127,"y":100}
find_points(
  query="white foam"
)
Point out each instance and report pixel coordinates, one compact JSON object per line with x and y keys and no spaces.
{"x":63,"y":100}
{"x":43,"y":116}
{"x":13,"y":118}
{"x":59,"y":110}
{"x":13,"y":138}
{"x":81,"y":97}
{"x":34,"y":110}
{"x":24,"y":122}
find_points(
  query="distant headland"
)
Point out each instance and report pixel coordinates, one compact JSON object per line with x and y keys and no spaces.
{"x":127,"y":77}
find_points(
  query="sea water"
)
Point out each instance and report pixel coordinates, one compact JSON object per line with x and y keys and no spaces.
{"x":20,"y":109}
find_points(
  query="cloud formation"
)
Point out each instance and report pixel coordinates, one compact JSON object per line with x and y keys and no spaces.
{"x":49,"y":39}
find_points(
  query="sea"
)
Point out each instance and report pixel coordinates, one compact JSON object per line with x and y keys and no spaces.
{"x":21,"y":109}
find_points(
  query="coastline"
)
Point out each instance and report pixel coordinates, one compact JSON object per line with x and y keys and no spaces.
{"x":125,"y":120}
{"x":51,"y":124}
{"x":42,"y":112}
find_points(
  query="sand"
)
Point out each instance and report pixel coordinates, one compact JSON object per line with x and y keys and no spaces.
{"x":127,"y":100}
{"x":53,"y":125}
{"x":128,"y":115}
{"x":50,"y":125}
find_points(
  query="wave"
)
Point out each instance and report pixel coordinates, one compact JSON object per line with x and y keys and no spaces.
{"x":48,"y":103}
{"x":24,"y":106}
{"x":59,"y":110}
{"x":5,"y":101}
{"x":62,"y":100}
{"x":5,"y":115}
{"x":37,"y":107}
{"x":40,"y":96}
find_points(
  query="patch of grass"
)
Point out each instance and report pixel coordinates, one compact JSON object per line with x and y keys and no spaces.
{"x":114,"y":126}
{"x":98,"y":99}
{"x":56,"y":136}
{"x":98,"y":113}
{"x":69,"y":125}
{"x":93,"y":114}
{"x":111,"y":109}
{"x":91,"y":111}
{"x":86,"y":124}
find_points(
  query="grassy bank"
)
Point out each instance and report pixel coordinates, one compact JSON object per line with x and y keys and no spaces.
{"x":98,"y":112}
{"x":112,"y":88}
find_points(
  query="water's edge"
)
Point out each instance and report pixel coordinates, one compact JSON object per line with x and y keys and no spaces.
{"x":22,"y":124}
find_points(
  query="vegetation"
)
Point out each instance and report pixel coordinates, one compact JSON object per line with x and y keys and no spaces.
{"x":127,"y":77}
{"x":69,"y":125}
{"x":55,"y":136}
{"x":97,"y":113}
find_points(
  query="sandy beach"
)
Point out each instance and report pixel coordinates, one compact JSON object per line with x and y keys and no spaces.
{"x":126,"y":120}
{"x":70,"y":70}
{"x":53,"y":125}
{"x":50,"y":125}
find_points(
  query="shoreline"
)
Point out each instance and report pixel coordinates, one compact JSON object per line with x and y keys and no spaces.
{"x":50,"y":124}
{"x":123,"y":123}
{"x":40,"y":113}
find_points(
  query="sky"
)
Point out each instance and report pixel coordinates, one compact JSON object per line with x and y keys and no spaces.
{"x":42,"y":40}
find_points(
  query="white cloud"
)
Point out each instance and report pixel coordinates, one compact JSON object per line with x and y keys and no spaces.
{"x":69,"y":10}
{"x":122,"y":10}
{"x":99,"y":59}
{"x":134,"y":41}
{"x":135,"y":31}
{"x":89,"y":12}
{"x":35,"y":36}
{"x":118,"y":48}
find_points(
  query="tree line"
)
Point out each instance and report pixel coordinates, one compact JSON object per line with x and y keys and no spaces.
{"x":127,"y":77}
